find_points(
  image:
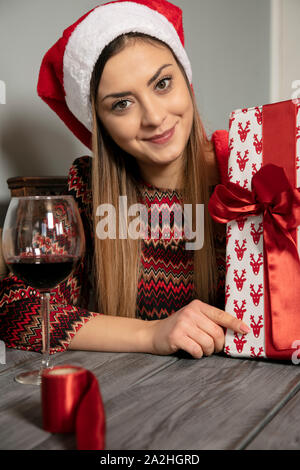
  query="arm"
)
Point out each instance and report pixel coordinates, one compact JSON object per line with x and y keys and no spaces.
{"x":196,"y":329}
{"x":20,"y":316}
{"x":20,"y":304}
{"x":217,"y":162}
{"x":114,"y":334}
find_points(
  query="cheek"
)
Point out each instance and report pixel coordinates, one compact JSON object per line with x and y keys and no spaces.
{"x":189,"y":117}
{"x":123,"y":129}
{"x":183,"y":108}
{"x":182,"y":105}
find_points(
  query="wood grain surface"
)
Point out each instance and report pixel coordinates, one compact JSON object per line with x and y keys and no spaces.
{"x":164,"y":402}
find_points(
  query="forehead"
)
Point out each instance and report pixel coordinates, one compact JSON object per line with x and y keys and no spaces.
{"x":137,"y":62}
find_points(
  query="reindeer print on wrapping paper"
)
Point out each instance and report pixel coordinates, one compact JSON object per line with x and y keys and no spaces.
{"x":239,"y":279}
{"x":256,"y":294}
{"x":245,"y":245}
{"x":240,"y":250}
{"x":256,"y":233}
{"x":227,"y":293}
{"x":257,"y":144}
{"x":243,"y":131}
{"x":256,"y":264}
{"x":227,"y":262}
{"x":241,"y":222}
{"x":239,"y":311}
{"x":239,"y":342}
{"x":256,"y":326}
{"x":254,"y":354}
{"x":228,"y":234}
{"x":258,"y":115}
{"x":231,"y":119}
{"x":244,"y":185}
{"x":241,"y":161}
{"x":254,"y":169}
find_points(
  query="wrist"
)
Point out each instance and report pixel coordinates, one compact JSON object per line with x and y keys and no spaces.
{"x":146,"y":336}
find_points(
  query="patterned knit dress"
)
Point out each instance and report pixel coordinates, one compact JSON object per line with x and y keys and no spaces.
{"x":166,"y":275}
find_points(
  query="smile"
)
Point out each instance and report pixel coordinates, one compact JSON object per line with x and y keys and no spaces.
{"x":162,"y":138}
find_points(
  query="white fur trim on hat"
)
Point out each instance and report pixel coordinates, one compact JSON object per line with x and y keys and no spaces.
{"x":97,"y":30}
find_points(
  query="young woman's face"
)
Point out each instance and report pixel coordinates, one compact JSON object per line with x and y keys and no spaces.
{"x":145,"y":105}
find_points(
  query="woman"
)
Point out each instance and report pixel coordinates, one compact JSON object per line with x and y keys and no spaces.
{"x":122,"y":73}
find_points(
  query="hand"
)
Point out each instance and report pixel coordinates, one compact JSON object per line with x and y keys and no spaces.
{"x":195,"y":328}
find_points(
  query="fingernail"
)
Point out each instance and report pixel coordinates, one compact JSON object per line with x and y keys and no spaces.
{"x":245,"y":328}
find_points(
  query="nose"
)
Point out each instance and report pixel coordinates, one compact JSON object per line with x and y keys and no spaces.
{"x":153,"y":113}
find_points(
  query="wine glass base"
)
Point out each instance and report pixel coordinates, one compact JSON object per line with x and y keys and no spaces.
{"x":32,"y":377}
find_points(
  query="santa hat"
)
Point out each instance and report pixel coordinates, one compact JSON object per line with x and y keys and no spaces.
{"x":66,"y":69}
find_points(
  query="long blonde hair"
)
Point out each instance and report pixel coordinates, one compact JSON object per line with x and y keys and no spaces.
{"x":115,"y":173}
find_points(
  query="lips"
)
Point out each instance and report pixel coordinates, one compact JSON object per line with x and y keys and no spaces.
{"x":162,"y":138}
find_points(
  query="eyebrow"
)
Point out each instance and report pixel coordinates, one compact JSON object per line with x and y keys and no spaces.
{"x":126,"y":93}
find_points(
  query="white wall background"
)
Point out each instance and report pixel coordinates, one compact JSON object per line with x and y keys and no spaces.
{"x":285,"y":49}
{"x":229,"y":42}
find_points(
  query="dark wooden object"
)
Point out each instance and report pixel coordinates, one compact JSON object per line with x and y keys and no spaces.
{"x":37,"y":185}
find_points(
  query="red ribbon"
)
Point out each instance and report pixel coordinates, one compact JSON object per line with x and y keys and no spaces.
{"x":71,"y":401}
{"x":273,"y":196}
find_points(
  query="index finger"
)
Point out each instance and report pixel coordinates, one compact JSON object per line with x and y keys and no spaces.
{"x":224,"y":318}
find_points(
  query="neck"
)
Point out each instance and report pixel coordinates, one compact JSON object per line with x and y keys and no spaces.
{"x":163,"y":176}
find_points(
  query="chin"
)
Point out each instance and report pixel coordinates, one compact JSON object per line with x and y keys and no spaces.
{"x":161,"y":155}
{"x":167,"y":157}
{"x":174,"y":152}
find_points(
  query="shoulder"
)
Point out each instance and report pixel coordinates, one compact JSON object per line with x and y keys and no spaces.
{"x":220,"y":141}
{"x":81,"y":165}
{"x":79,"y":180}
{"x":217,"y":155}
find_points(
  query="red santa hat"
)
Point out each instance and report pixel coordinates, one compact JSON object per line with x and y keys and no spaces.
{"x":66,"y":69}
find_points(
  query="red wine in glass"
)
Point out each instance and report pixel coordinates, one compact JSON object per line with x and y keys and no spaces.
{"x":45,"y":272}
{"x":42,"y":243}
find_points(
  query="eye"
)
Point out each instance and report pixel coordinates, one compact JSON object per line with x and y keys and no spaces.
{"x":164,"y":83}
{"x":120,"y":105}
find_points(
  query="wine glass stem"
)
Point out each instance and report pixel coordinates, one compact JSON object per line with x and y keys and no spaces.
{"x":45,"y":313}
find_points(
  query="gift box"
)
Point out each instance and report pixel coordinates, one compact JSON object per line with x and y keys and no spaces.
{"x":260,"y":203}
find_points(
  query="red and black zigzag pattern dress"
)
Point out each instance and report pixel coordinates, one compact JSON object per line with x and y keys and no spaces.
{"x":165,"y":284}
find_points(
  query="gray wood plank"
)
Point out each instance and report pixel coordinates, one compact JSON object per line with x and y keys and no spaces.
{"x":158,"y":402}
{"x":283,"y":431}
{"x":20,"y":405}
{"x":213,"y":403}
{"x":15,"y":356}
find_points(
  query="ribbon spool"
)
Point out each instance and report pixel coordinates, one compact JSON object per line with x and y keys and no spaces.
{"x":71,"y":402}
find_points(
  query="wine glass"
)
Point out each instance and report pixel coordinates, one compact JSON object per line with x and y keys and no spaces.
{"x":43,"y":242}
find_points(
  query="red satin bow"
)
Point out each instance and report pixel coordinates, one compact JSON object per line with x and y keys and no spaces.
{"x":273,"y":196}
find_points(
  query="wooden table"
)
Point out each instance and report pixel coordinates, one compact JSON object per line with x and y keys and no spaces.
{"x":164,"y":402}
